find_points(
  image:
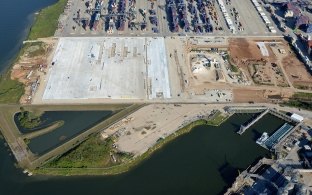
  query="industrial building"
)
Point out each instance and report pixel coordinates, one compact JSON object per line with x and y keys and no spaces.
{"x":277,"y":136}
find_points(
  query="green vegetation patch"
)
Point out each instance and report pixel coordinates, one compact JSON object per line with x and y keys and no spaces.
{"x":92,"y":153}
{"x":94,"y":156}
{"x":27,"y":141}
{"x":28,"y":119}
{"x":234,"y":68}
{"x":46,"y":21}
{"x":303,"y":96}
{"x":10,"y":90}
{"x":217,"y":119}
{"x":33,"y":49}
{"x":300,"y":100}
{"x":299,"y":104}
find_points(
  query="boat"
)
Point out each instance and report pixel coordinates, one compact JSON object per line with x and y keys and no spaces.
{"x":263,"y":138}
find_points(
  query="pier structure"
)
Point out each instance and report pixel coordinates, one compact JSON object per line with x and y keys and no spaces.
{"x":243,"y":128}
{"x":245,"y":109}
{"x":258,"y":109}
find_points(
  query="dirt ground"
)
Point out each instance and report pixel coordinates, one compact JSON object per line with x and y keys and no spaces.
{"x":31,"y":66}
{"x":141,"y":130}
{"x":246,"y":53}
{"x":296,"y":71}
{"x":248,"y":95}
{"x":241,"y":49}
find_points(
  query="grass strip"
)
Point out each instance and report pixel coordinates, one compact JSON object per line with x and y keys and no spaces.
{"x":46,"y":21}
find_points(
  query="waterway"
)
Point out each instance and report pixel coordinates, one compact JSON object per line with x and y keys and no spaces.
{"x":205,"y":161}
{"x":75,"y":122}
{"x":16,"y":19}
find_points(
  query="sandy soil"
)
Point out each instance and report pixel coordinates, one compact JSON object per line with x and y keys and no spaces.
{"x":248,"y":95}
{"x":142,"y":129}
{"x":296,"y":71}
{"x":30,"y":69}
{"x":244,"y":49}
{"x":245,"y":53}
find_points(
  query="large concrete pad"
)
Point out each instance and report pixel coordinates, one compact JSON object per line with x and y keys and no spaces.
{"x":116,"y":68}
{"x":157,"y":69}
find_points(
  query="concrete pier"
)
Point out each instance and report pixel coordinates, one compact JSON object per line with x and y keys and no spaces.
{"x":258,"y":109}
{"x":244,"y":128}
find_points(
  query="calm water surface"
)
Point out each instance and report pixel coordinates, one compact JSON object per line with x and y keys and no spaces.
{"x":75,"y":122}
{"x":16,"y":18}
{"x":204,"y":161}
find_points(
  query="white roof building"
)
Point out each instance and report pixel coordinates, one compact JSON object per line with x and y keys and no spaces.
{"x":297,"y":117}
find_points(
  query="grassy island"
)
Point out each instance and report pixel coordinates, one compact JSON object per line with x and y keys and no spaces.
{"x":28,"y":120}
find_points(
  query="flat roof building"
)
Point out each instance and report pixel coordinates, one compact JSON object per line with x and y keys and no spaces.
{"x":297,"y":117}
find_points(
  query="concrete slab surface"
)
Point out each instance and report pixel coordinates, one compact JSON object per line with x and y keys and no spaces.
{"x":113,"y":68}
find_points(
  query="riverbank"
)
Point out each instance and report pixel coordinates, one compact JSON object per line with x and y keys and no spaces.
{"x":46,"y":21}
{"x":126,"y":164}
{"x":11,"y":88}
{"x":195,"y":157}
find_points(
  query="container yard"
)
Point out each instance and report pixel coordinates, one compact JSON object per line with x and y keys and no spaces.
{"x":165,"y":18}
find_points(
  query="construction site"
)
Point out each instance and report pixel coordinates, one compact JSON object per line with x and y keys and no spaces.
{"x":170,"y":69}
{"x":155,"y":67}
{"x":162,"y":51}
{"x":272,"y":63}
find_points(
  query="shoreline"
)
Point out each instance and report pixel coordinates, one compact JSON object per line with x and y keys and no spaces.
{"x":12,"y":90}
{"x":126,"y":166}
{"x":37,"y":24}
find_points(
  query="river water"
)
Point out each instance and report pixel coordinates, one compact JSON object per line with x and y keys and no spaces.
{"x":16,"y":18}
{"x":204,"y":161}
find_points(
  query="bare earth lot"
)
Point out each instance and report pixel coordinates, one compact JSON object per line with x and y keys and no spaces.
{"x":142,"y":129}
{"x":296,"y":71}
